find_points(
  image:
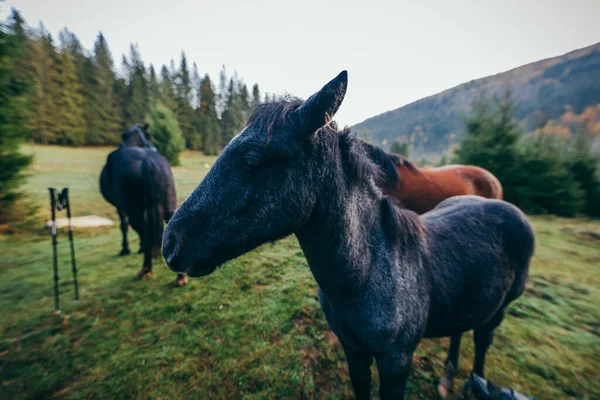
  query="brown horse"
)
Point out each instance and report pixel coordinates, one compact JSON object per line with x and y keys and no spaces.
{"x":421,"y":189}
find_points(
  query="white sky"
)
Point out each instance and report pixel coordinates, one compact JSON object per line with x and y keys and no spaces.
{"x":395,"y":52}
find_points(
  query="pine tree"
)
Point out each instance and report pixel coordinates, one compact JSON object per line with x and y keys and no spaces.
{"x":222,"y":96}
{"x":491,"y":142}
{"x":544,"y":182}
{"x":583,"y":167}
{"x":400,"y":148}
{"x":104,"y":120}
{"x":138,"y":100}
{"x":230,"y":119}
{"x":71,"y":125}
{"x":184,"y":110}
{"x":166,"y":94}
{"x":13,"y":117}
{"x":84,"y":68}
{"x":154,"y":91}
{"x":255,"y":96}
{"x":43,"y":59}
{"x":208,"y":125}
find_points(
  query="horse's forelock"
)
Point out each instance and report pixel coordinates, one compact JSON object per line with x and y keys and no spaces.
{"x":266,"y":117}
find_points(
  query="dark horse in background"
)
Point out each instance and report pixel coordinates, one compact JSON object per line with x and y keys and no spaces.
{"x":421,"y":189}
{"x":138,"y":182}
{"x":387,"y":277}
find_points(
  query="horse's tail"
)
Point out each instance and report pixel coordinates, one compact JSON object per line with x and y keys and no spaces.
{"x":154,"y":200}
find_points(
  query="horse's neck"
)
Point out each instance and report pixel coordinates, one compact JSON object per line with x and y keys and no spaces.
{"x":346,"y":237}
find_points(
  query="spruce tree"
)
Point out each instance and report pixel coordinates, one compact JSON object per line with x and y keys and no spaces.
{"x":13,"y":118}
{"x":544,"y":182}
{"x":400,"y":148}
{"x":43,"y":59}
{"x":583,"y":166}
{"x":492,"y":142}
{"x":70,"y":121}
{"x":184,"y":110}
{"x":104,"y":120}
{"x":222,"y":96}
{"x":153,"y":86}
{"x":208,"y":125}
{"x":255,"y":96}
{"x":231,"y":114}
{"x":166,"y":94}
{"x":138,"y":100}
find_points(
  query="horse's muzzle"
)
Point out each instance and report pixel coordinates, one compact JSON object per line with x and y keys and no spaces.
{"x":186,"y":258}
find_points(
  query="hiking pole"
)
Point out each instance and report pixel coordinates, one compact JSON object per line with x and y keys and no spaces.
{"x":63,"y":200}
{"x":54,"y":255}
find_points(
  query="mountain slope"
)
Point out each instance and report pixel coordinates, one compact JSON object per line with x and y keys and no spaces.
{"x":544,"y":91}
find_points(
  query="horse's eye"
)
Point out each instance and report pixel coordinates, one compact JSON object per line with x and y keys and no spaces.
{"x":251,"y":160}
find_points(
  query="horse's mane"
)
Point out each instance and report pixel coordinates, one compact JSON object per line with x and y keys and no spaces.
{"x":363,"y":164}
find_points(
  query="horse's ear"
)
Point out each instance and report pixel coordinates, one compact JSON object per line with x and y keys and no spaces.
{"x":320,"y":108}
{"x":145,"y":127}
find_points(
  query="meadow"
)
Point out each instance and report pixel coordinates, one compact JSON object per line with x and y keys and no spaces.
{"x":253,"y":329}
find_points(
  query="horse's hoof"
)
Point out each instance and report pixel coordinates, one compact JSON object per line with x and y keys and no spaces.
{"x":124,"y":252}
{"x":144,"y":273}
{"x":445,"y":388}
{"x":182,"y":281}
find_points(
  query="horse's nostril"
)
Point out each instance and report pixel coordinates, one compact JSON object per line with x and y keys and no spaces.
{"x":170,"y":247}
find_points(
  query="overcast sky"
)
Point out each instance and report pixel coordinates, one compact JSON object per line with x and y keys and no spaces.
{"x":395,"y":52}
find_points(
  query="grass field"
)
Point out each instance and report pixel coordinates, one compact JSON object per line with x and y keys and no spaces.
{"x":254,"y":328}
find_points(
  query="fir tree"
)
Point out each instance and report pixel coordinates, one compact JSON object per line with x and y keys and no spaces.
{"x":43,"y":59}
{"x":222,"y":96}
{"x":400,"y":148}
{"x":255,"y":96}
{"x":208,"y":126}
{"x":13,"y":117}
{"x":154,"y":91}
{"x":71,"y":126}
{"x":166,"y":94}
{"x":491,"y":142}
{"x":138,"y":100}
{"x":104,"y":120}
{"x":184,"y":110}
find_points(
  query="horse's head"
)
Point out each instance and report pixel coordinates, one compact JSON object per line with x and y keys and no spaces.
{"x":264,"y":185}
{"x":138,"y":136}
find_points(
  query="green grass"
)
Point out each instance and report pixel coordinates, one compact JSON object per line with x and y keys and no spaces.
{"x":254,"y":328}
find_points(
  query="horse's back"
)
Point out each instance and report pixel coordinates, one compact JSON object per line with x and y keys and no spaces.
{"x":480,"y":251}
{"x":481,"y":181}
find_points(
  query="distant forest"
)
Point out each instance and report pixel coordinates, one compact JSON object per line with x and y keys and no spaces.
{"x":77,"y":97}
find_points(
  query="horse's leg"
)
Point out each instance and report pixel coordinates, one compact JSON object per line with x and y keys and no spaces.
{"x":359,"y":365}
{"x":394,"y":369}
{"x":147,"y":267}
{"x":483,"y":338}
{"x":124,"y":227}
{"x":446,"y":385}
{"x":181,"y":280}
{"x":141,"y":250}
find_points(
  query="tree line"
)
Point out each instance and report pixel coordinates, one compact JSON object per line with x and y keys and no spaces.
{"x":541,"y":172}
{"x":77,"y":97}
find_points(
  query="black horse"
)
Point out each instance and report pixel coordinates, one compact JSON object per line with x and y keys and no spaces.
{"x":138,"y":182}
{"x":387,"y":277}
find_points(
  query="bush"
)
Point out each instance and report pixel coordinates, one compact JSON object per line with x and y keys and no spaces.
{"x":167,"y":136}
{"x":540,"y":173}
{"x":400,"y":148}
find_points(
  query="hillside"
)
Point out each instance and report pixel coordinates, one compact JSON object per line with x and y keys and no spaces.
{"x":562,"y":92}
